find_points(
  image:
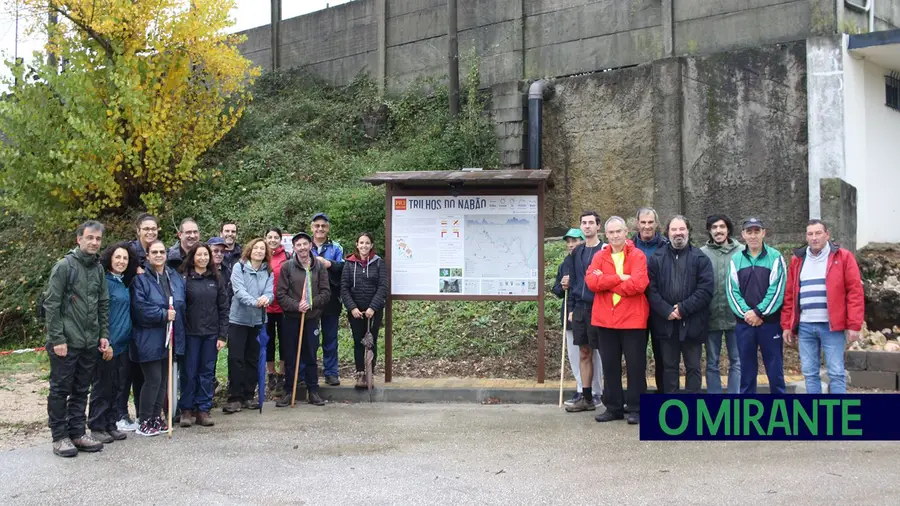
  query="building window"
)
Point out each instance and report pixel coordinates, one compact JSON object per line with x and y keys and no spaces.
{"x":892,"y":90}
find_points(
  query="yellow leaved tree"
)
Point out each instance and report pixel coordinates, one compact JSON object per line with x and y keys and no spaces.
{"x":132,"y":93}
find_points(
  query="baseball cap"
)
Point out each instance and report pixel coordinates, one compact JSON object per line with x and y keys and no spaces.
{"x":575,"y":233}
{"x":752,"y":222}
{"x":320,"y":215}
{"x":215,"y":241}
{"x":300,"y":235}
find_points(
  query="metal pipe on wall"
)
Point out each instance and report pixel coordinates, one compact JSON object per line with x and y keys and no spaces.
{"x":537,"y":92}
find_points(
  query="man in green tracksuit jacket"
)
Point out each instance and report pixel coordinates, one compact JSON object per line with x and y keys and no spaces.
{"x":77,"y":312}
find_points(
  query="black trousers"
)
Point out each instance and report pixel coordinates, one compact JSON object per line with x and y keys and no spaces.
{"x":358,"y":327}
{"x":109,"y":376}
{"x":658,"y":361}
{"x":70,"y":381}
{"x":134,"y":380}
{"x":243,"y":362}
{"x":673,"y":350}
{"x":614,"y":343}
{"x":153,"y":391}
{"x":275,"y":328}
{"x":307,"y":352}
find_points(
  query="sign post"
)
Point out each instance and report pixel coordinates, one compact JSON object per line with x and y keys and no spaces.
{"x":464,"y":235}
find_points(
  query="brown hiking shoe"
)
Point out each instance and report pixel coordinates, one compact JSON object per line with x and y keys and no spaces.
{"x":102,"y":436}
{"x":64,"y":448}
{"x":360,"y":381}
{"x":86,"y":443}
{"x":187,"y":418}
{"x":583,"y":404}
{"x":204,"y":420}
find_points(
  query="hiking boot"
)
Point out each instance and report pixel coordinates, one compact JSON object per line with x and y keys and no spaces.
{"x":127,"y":425}
{"x":250,"y":404}
{"x":315,"y":399}
{"x":583,"y":404}
{"x":118,"y":435}
{"x":284,"y":401}
{"x":634,"y":418}
{"x":187,"y":418}
{"x":102,"y":436}
{"x":360,"y":381}
{"x":232,"y":407}
{"x":86,"y":443}
{"x":608,"y":416}
{"x":204,"y":420}
{"x":332,"y":381}
{"x":64,"y":448}
{"x":575,"y":398}
{"x":147,"y":428}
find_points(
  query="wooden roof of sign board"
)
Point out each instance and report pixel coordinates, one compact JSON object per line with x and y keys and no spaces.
{"x":437,"y":178}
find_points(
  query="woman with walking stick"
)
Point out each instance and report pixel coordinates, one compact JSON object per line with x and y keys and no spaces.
{"x":252,"y":282}
{"x":151,"y":314}
{"x":303,"y":292}
{"x":364,"y":289}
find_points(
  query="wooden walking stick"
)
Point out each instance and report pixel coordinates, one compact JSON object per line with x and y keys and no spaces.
{"x":299,"y":347}
{"x":170,"y":342}
{"x":562,"y":358}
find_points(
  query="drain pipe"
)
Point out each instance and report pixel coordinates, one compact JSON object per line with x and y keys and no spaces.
{"x":537,"y":92}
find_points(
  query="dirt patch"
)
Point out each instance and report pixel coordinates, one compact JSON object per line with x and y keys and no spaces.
{"x":23,"y":410}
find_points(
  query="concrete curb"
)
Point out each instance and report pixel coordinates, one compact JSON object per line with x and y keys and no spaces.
{"x":463,"y":395}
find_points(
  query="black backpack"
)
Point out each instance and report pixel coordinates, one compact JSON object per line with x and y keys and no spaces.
{"x":67,"y":291}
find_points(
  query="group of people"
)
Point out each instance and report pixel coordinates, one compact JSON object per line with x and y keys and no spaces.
{"x":112,"y":314}
{"x":661,"y":289}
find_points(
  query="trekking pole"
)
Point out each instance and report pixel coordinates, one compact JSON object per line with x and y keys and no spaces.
{"x":562,"y":357}
{"x":170,"y":341}
{"x":299,"y":347}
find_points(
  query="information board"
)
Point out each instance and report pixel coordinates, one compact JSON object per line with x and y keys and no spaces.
{"x":468,"y":245}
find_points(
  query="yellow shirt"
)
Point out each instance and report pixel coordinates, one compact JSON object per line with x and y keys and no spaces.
{"x":619,"y":260}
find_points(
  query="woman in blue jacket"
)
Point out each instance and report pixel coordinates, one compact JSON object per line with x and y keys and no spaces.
{"x":111,"y":372}
{"x":206,"y":328}
{"x":150,"y":314}
{"x":252,"y":283}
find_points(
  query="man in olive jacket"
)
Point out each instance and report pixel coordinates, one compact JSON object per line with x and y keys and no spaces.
{"x":680,"y":290}
{"x":76,"y":306}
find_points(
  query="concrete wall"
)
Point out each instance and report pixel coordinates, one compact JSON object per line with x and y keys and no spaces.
{"x":879,"y":205}
{"x":694,"y":135}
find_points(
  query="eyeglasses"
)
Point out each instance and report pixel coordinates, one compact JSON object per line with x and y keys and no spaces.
{"x":149,"y":229}
{"x":156,"y":253}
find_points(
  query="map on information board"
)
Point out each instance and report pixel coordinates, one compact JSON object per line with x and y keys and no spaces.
{"x":468,"y":245}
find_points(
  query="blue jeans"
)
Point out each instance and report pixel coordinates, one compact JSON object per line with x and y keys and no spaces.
{"x":198,"y":373}
{"x":329,"y":338}
{"x":813,"y":339}
{"x":713,"y":351}
{"x":766,"y":338}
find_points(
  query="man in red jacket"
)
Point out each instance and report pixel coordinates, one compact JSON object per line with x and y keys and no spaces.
{"x":824,"y":304}
{"x":618,"y":277}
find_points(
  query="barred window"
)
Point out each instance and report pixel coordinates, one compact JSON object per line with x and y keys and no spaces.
{"x":892,"y":90}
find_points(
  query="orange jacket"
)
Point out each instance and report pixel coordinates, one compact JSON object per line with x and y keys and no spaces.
{"x":633,"y":311}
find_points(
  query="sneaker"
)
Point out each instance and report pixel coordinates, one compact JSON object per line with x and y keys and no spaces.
{"x":118,"y":435}
{"x":232,"y":407}
{"x":102,"y":436}
{"x":251,"y":404}
{"x":64,"y":448}
{"x":147,"y":428}
{"x":87,"y":443}
{"x":332,"y":381}
{"x":597,"y":399}
{"x":608,"y":416}
{"x":284,"y":401}
{"x":634,"y":418}
{"x":575,"y":398}
{"x":315,"y":399}
{"x":204,"y":420}
{"x":127,"y":425}
{"x":160,"y":424}
{"x":583,"y":404}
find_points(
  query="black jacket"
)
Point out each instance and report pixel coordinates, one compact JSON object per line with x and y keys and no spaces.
{"x":558,"y":289}
{"x":208,"y":305}
{"x":576,"y":266}
{"x":691,"y":288}
{"x":364,"y":284}
{"x":290,"y":286}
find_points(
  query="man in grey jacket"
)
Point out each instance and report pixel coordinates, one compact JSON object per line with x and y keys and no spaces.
{"x":720,"y":248}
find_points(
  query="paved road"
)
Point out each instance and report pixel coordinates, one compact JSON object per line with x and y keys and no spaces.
{"x":446,"y":454}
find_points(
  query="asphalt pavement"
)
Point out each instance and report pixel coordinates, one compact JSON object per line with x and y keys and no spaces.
{"x":455,"y":454}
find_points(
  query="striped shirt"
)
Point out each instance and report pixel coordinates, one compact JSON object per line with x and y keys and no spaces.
{"x":813,"y":302}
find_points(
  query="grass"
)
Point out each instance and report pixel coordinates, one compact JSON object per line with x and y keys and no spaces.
{"x":19,"y":363}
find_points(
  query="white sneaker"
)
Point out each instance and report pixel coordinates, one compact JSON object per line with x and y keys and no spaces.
{"x":127,"y":425}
